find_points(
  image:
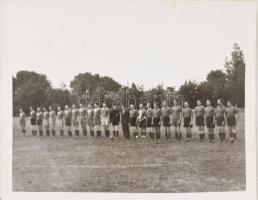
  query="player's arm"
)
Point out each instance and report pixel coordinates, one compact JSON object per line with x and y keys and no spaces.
{"x":237,"y":116}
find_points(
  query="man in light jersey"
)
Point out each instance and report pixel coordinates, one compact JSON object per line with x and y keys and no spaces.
{"x":60,"y":120}
{"x":39,"y":120}
{"x":149,"y":115}
{"x":156,"y":113}
{"x":33,"y":121}
{"x":96,"y":119}
{"x":46,"y":121}
{"x":75,"y":125}
{"x":232,"y":119}
{"x":90,"y":114}
{"x":52,"y":120}
{"x":22,"y":121}
{"x":142,"y":121}
{"x":82,"y":118}
{"x":199,"y":112}
{"x":210,"y":120}
{"x":187,"y":115}
{"x":220,"y":112}
{"x":133,"y":121}
{"x":105,"y":112}
{"x":176,"y":119}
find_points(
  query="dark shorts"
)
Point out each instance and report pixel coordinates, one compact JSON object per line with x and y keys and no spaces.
{"x":187,"y":121}
{"x":33,"y":121}
{"x":68,"y":121}
{"x":166,"y":121}
{"x":133,"y":121}
{"x":142,"y":124}
{"x":220,"y":121}
{"x":209,"y":122}
{"x":149,"y":122}
{"x":115,"y":122}
{"x":156,"y":122}
{"x":199,"y":121}
{"x":231,"y":121}
{"x":39,"y":122}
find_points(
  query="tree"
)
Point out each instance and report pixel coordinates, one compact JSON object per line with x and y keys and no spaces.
{"x":190,"y":92}
{"x":59,"y":97}
{"x":235,"y":68}
{"x":29,"y":89}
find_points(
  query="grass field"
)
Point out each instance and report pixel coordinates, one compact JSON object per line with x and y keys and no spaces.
{"x":87,"y":164}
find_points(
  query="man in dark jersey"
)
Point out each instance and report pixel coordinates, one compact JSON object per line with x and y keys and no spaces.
{"x":46,"y":121}
{"x":166,"y":111}
{"x":187,"y":115}
{"x":133,"y":121}
{"x":156,"y":113}
{"x":52,"y":120}
{"x":220,"y":112}
{"x":33,"y":121}
{"x":115,"y":119}
{"x":199,"y":112}
{"x":232,"y":119}
{"x":68,"y":120}
{"x":149,"y":116}
{"x":125,"y":121}
{"x":75,"y":113}
{"x":40,"y":121}
{"x":210,"y":120}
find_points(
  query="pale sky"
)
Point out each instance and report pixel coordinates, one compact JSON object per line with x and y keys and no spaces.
{"x":142,"y":41}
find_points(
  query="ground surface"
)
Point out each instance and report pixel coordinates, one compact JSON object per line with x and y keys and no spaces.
{"x":101,"y":165}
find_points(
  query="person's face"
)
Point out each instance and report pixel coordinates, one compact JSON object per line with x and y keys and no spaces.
{"x":175,"y":102}
{"x":186,"y":105}
{"x":155,"y":106}
{"x":21,"y":110}
{"x":73,"y":106}
{"x":50,"y":108}
{"x":229,"y":104}
{"x":219,"y":102}
{"x":208,"y":103}
{"x":198,"y":103}
{"x":141,"y":106}
{"x":104,"y":105}
{"x":123,"y":107}
{"x":59,"y":108}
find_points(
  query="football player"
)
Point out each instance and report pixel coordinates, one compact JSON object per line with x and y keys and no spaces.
{"x":232,"y":119}
{"x":199,"y":112}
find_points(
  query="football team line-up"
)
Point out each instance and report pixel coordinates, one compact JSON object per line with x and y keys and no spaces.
{"x":140,"y":123}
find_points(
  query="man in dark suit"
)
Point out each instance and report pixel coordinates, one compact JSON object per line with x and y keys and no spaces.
{"x":125,"y":122}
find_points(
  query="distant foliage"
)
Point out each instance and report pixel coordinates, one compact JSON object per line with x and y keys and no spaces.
{"x":33,"y":89}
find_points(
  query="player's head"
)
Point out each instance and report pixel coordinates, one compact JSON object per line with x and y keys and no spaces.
{"x":141,"y":106}
{"x":104,"y":105}
{"x":208,"y":102}
{"x":186,"y":104}
{"x":199,"y":103}
{"x":73,"y":106}
{"x":58,"y":108}
{"x":66,"y":107}
{"x":50,"y":107}
{"x":95,"y":105}
{"x":148,"y":105}
{"x":31,"y":109}
{"x":38,"y":109}
{"x":175,"y":102}
{"x":21,"y":110}
{"x":164,"y":104}
{"x":155,"y":105}
{"x":229,"y":103}
{"x":219,"y":102}
{"x":131,"y":106}
{"x":81,"y":105}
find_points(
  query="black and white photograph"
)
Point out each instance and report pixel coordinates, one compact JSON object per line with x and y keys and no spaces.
{"x":129,"y":97}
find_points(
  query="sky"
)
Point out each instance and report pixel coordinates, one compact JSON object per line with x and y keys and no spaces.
{"x":143,"y":41}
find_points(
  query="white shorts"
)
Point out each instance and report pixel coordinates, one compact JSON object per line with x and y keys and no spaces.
{"x":46,"y":122}
{"x":52,"y":124}
{"x":104,"y":120}
{"x":60,"y":123}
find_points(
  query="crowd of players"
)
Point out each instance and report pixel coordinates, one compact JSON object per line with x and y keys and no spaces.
{"x":140,"y":123}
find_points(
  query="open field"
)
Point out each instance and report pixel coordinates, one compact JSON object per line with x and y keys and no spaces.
{"x":86,"y":164}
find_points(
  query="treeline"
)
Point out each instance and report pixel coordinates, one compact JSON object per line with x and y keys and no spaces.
{"x":33,"y":89}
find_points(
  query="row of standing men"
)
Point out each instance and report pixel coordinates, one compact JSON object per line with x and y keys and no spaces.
{"x":140,"y":122}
